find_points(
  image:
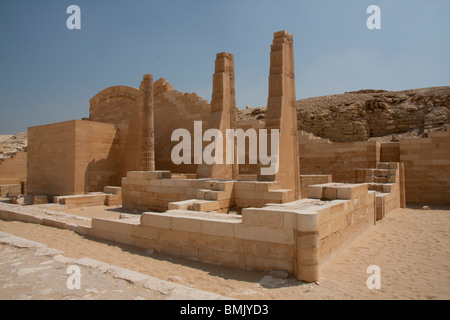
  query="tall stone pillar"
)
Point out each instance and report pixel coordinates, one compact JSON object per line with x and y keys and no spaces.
{"x":282,"y":114}
{"x":147,"y":162}
{"x":222,"y":117}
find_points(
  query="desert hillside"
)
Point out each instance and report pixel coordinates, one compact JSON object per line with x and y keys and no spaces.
{"x":10,"y":144}
{"x":370,"y":114}
{"x":352,"y":116}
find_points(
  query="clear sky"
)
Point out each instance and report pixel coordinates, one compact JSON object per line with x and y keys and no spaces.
{"x":48,"y":73}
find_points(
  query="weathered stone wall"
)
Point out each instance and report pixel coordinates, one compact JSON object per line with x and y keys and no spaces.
{"x":426,"y":162}
{"x":358,"y":116}
{"x":51,"y":159}
{"x":321,"y":156}
{"x":71,"y":157}
{"x":427,"y":168}
{"x":14,"y":169}
{"x":120,"y":105}
{"x":157,"y":191}
{"x":177,"y":110}
{"x":96,"y":156}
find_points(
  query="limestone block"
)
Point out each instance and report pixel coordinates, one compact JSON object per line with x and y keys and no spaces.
{"x":324,"y":215}
{"x":351,"y":191}
{"x":148,"y":175}
{"x":384,"y":165}
{"x":54,"y":223}
{"x":308,"y":256}
{"x":280,"y":195}
{"x":175,"y":238}
{"x":155,"y":220}
{"x":108,"y":235}
{"x":218,"y":228}
{"x":10,"y":190}
{"x":201,"y":193}
{"x":113,"y":226}
{"x":223,"y":185}
{"x":381,"y":179}
{"x":392,"y":172}
{"x":315,"y":191}
{"x":40,"y":199}
{"x":325,"y":229}
{"x":182,"y":205}
{"x":306,"y":240}
{"x":217,"y":195}
{"x":307,"y":221}
{"x":186,"y":224}
{"x":263,"y":217}
{"x":338,"y":223}
{"x":112,"y":190}
{"x":382,"y":172}
{"x":329,"y":192}
{"x":263,"y":233}
{"x":113,"y":200}
{"x":261,"y":186}
{"x":245,"y":186}
{"x":393,"y":165}
{"x":205,"y":205}
{"x":387,"y":188}
{"x":144,"y":232}
{"x":307,"y":273}
{"x":360,"y":176}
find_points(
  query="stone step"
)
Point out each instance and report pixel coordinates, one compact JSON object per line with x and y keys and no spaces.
{"x":84,"y":200}
{"x":376,"y":175}
{"x":182,"y":205}
{"x":206,"y":205}
{"x":381,"y":187}
{"x":206,"y":194}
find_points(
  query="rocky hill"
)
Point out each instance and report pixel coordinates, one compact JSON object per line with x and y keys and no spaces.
{"x":352,"y":116}
{"x":10,"y":144}
{"x":370,"y":114}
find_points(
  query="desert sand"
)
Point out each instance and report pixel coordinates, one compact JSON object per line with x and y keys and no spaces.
{"x":411,"y":246}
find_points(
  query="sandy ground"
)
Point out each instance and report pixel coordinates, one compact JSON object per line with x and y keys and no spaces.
{"x":411,"y":247}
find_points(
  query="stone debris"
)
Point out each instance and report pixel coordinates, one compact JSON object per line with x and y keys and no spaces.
{"x":282,"y":274}
{"x":271,"y":282}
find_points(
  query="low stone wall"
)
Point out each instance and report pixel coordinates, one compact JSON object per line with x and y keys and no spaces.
{"x":427,"y":168}
{"x":426,"y":162}
{"x":14,"y":170}
{"x":156,"y":190}
{"x":10,"y":190}
{"x":321,"y":156}
{"x":389,"y":182}
{"x":296,"y":236}
{"x":111,"y":196}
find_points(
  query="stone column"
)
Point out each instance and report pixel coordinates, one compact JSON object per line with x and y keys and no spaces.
{"x":148,"y":127}
{"x":222,"y":117}
{"x":282,"y":114}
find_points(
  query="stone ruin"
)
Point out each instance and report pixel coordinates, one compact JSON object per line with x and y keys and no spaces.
{"x":229,"y":214}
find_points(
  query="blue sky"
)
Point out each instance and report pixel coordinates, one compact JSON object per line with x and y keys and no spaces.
{"x":48,"y":73}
